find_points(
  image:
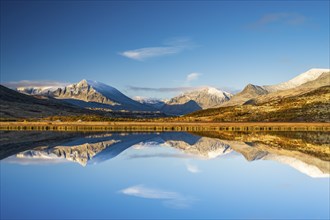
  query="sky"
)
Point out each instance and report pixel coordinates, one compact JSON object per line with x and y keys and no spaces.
{"x":161,"y":48}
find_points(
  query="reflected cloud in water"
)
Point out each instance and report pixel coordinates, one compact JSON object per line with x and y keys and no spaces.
{"x":169,"y":198}
{"x":193,"y":168}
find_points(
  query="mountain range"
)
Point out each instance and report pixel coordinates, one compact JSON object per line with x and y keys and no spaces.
{"x":89,"y":96}
{"x":99,"y":96}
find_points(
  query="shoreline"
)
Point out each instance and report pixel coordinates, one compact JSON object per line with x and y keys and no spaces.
{"x":164,"y":126}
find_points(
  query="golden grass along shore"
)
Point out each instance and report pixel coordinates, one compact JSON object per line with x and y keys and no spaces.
{"x":163,"y":126}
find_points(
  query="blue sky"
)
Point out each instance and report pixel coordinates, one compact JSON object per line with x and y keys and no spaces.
{"x":155,"y":48}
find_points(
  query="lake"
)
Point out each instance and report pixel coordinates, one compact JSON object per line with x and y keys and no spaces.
{"x":222,"y":175}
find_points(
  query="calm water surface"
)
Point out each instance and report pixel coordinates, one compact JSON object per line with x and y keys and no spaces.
{"x":164,"y":175}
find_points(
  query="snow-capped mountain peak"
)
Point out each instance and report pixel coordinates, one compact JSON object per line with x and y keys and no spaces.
{"x":96,"y":92}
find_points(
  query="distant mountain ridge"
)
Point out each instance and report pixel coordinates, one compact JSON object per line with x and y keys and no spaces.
{"x":206,"y":97}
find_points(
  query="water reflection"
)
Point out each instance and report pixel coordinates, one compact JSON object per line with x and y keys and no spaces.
{"x":307,"y":152}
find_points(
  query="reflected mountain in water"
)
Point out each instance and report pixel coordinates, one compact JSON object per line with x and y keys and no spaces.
{"x":307,"y":164}
{"x":78,"y":153}
{"x":89,"y":149}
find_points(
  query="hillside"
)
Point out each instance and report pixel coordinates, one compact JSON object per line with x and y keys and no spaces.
{"x":308,"y":107}
{"x":14,"y":105}
{"x":305,"y":82}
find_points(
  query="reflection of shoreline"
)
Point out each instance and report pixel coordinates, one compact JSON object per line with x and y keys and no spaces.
{"x":92,"y":149}
{"x":165,"y":126}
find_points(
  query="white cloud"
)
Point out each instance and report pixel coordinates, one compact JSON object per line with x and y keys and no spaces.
{"x":166,"y":90}
{"x":192,"y":77}
{"x":172,"y":46}
{"x":193,"y":168}
{"x":148,"y":52}
{"x":171,"y":199}
{"x":34,"y":83}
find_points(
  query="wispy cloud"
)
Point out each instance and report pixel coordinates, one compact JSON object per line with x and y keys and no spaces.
{"x":171,"y":199}
{"x":148,"y":52}
{"x":284,"y":18}
{"x":164,"y":89}
{"x":34,"y":83}
{"x":173,"y":46}
{"x":192,"y":76}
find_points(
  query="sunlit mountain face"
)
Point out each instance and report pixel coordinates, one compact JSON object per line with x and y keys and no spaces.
{"x":307,"y":153}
